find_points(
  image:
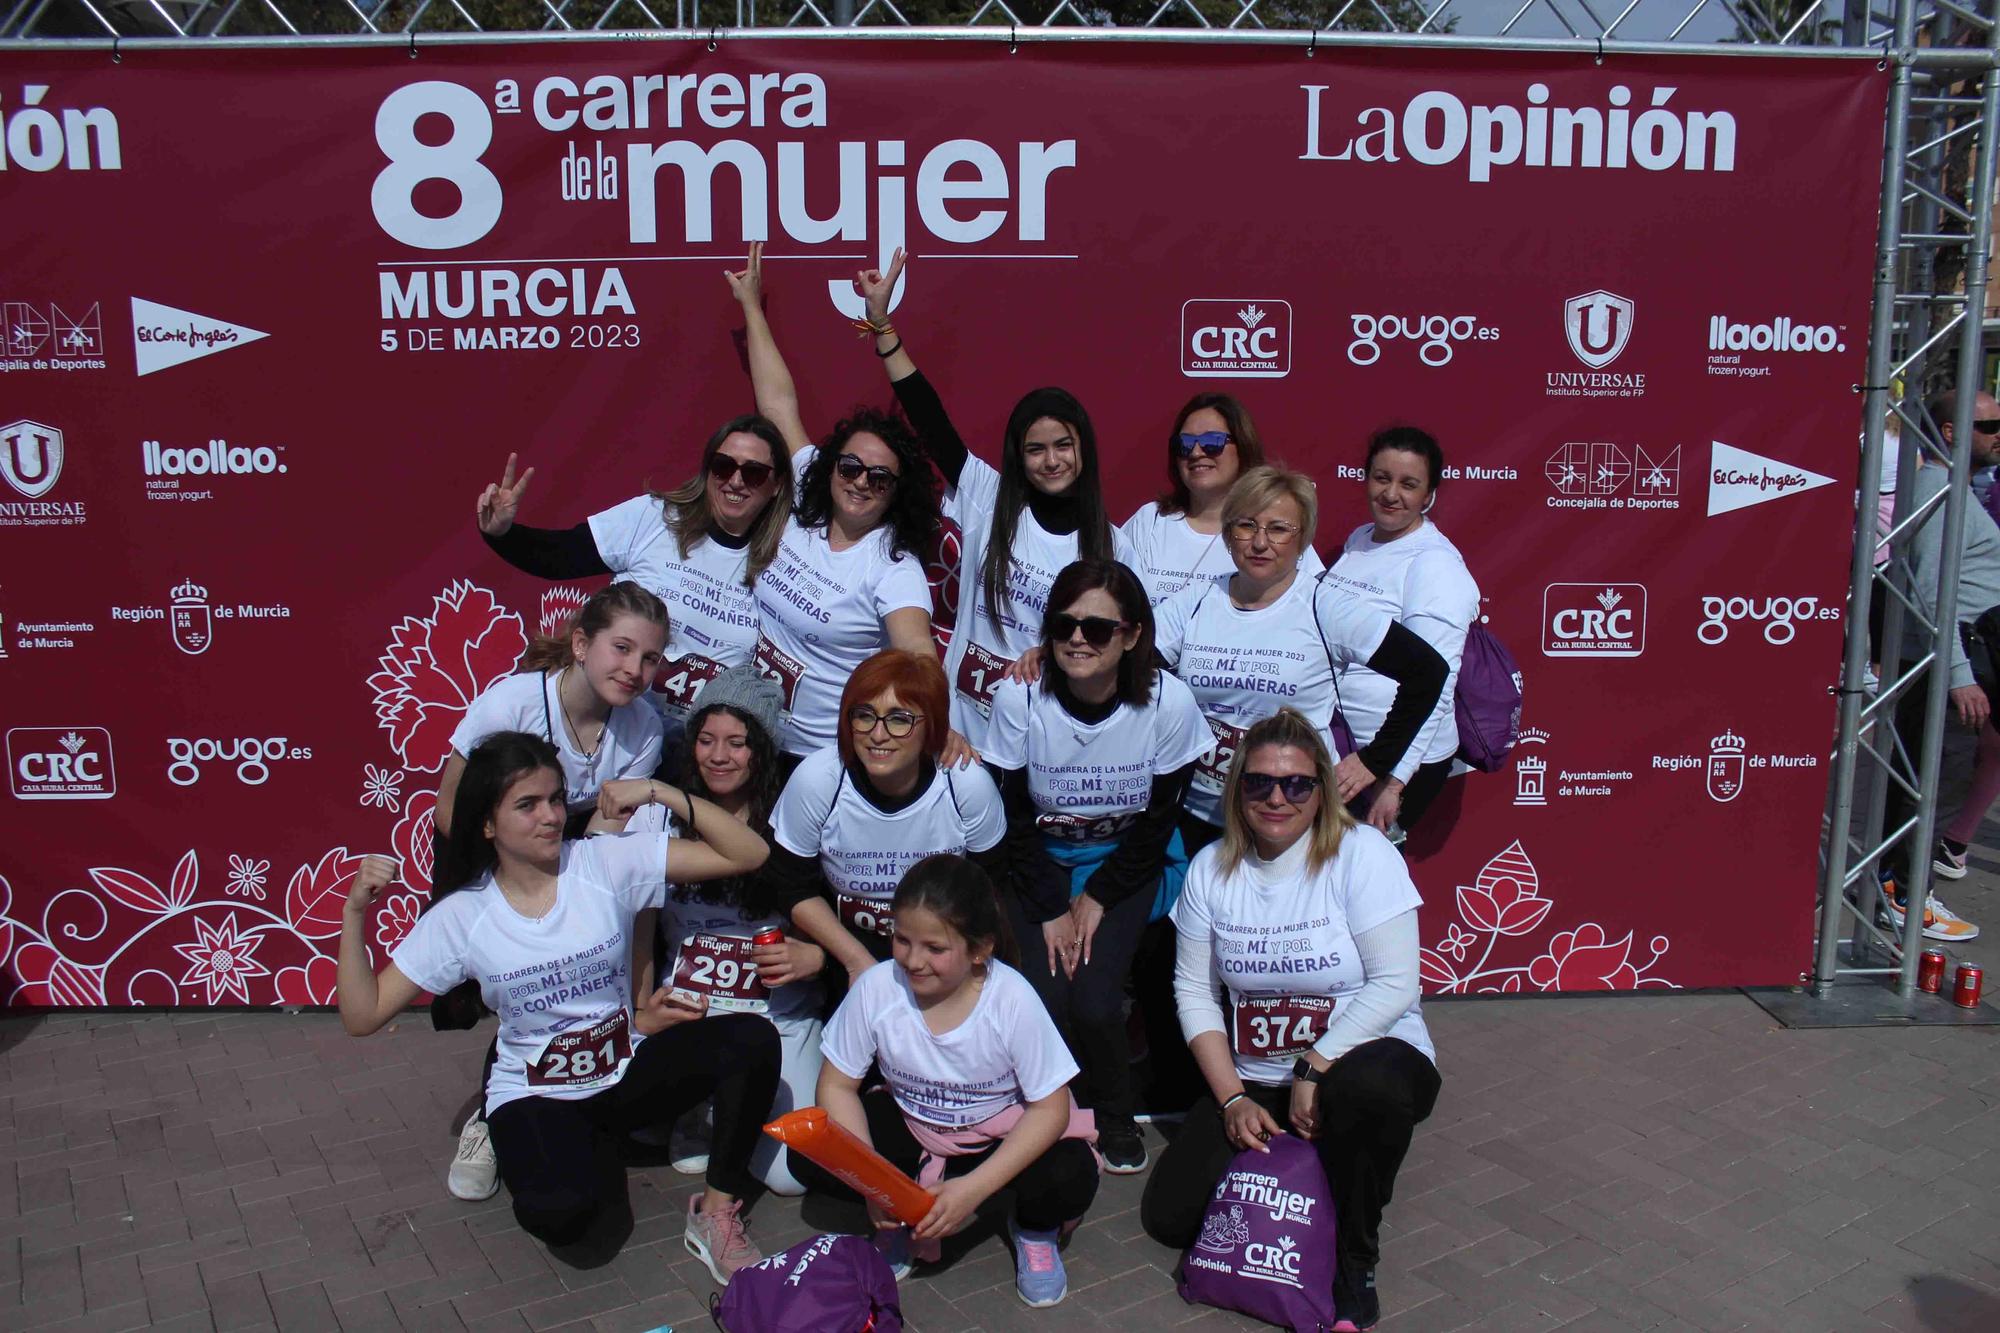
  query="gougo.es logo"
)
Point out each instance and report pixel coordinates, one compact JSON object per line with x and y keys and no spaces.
{"x":253,"y":758}
{"x":1780,"y":616}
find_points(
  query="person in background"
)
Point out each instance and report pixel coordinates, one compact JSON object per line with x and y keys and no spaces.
{"x":1334,"y":1048}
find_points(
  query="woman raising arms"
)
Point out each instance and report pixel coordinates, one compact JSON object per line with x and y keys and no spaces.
{"x":1021,"y":523}
{"x":848,"y":579}
{"x":545,"y":928}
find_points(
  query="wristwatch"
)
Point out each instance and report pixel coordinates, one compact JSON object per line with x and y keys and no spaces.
{"x":1303,"y":1071}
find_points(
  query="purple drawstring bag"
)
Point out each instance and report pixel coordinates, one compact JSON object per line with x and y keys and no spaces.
{"x":1487,"y":703}
{"x":829,"y":1284}
{"x":1266,"y":1243}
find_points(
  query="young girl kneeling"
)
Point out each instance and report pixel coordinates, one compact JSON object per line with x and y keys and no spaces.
{"x":977,"y":1097}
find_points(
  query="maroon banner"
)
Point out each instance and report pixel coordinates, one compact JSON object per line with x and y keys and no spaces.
{"x":275,"y":317}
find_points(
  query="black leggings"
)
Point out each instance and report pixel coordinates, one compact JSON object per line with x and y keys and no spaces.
{"x":1050,"y":1190}
{"x":560,"y":1157}
{"x":1370,"y":1103}
{"x":1422,"y":788}
{"x":1089,"y":1009}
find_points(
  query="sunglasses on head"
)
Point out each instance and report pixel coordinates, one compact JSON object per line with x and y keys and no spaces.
{"x":1296,"y":786}
{"x":1097,"y":630}
{"x":851,"y":468}
{"x":1210,"y":442}
{"x":722,"y":467}
{"x":898,"y":722}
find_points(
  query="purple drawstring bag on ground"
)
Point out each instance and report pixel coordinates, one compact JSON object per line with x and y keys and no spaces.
{"x":1266,"y":1243}
{"x":829,"y":1284}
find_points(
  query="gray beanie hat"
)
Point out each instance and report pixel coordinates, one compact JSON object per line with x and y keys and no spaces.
{"x":742,"y":688}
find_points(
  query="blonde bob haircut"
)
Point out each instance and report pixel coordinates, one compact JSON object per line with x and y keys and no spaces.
{"x":1287,"y":726}
{"x":1261,"y":487}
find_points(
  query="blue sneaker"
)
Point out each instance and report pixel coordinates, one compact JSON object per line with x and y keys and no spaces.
{"x":1039,"y":1275}
{"x":893,"y":1244}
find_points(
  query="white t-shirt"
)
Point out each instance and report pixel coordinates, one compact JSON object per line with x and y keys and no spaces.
{"x":1007,"y":1051}
{"x":1276,"y":932}
{"x":981,"y":649}
{"x":864,"y":850}
{"x":712,"y":613}
{"x":1089,"y":781}
{"x":563,"y":977}
{"x":1243,"y":666}
{"x":527,"y":701}
{"x":1419,"y":579}
{"x":1167,"y":554}
{"x":822,"y":612}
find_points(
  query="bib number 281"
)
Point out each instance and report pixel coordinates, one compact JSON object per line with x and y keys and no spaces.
{"x":578,"y":1059}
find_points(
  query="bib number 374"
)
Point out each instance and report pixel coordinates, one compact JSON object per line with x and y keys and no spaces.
{"x":585,"y":1057}
{"x":1280,"y":1025}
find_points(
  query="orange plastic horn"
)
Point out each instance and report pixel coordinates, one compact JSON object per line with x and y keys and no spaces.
{"x":809,"y":1131}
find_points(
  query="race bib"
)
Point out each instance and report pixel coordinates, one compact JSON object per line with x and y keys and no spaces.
{"x":678,"y":681}
{"x":1270,"y":1026}
{"x":585,"y":1057}
{"x":720,"y":967}
{"x":1211,"y":771}
{"x":1085,"y":828}
{"x":979,"y":674}
{"x":774,"y":663}
{"x":864,"y":916}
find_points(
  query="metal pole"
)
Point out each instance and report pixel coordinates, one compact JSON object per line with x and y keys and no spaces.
{"x":1861,"y":574}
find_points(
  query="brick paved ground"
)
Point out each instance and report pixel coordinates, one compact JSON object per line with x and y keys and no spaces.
{"x":1656,"y":1162}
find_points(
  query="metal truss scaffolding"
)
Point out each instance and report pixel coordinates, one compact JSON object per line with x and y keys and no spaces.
{"x":1928,"y":321}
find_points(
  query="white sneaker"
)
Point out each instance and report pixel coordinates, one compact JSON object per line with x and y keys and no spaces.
{"x":475,"y":1171}
{"x":1940,"y":922}
{"x":690,"y":1144}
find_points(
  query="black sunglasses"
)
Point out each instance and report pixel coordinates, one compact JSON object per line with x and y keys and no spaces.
{"x":1210,"y":442}
{"x":1296,"y":786}
{"x":1987,"y":426}
{"x":851,"y":468}
{"x":1097,"y":630}
{"x":722,"y":467}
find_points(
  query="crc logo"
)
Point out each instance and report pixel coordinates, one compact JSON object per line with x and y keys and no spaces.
{"x":1433,"y":334}
{"x":1274,"y":1263}
{"x":1594,"y":620}
{"x":31,"y":457}
{"x":1598,"y":325}
{"x":61,"y":764}
{"x":1236,"y":339}
{"x":251,"y":756}
{"x":1778,"y":615}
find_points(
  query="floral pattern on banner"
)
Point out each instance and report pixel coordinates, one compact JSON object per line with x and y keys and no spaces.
{"x":248,"y":936}
{"x":1504,"y":904}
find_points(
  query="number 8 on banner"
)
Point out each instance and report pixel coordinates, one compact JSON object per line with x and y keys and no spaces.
{"x":412,"y":162}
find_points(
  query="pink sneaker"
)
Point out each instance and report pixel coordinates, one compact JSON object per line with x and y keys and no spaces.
{"x":717,"y":1238}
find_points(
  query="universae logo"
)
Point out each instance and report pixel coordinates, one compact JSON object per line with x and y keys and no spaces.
{"x":1236,"y":339}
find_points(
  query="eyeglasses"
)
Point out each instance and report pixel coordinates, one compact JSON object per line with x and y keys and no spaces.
{"x":722,"y":467}
{"x":1987,"y":426}
{"x":898,"y":722}
{"x":1097,"y":630}
{"x":1296,"y":786}
{"x":1278,"y":533}
{"x":851,"y":468}
{"x":1210,"y":442}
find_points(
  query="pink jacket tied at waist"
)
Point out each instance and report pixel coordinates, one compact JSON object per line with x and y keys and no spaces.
{"x":939,"y":1143}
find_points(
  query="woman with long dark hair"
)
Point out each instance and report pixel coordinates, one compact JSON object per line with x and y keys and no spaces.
{"x":698,"y":547}
{"x":545,"y":927}
{"x":1021,"y":523}
{"x":1094,"y":762}
{"x":848,"y":579}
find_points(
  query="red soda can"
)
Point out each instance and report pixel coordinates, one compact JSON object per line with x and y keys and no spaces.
{"x":1965,"y":990}
{"x":1930,"y":971}
{"x":765,"y":938}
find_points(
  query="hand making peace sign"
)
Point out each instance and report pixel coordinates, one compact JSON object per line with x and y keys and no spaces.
{"x":498,"y":502}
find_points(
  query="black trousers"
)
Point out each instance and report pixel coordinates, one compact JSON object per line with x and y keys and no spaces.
{"x":1089,"y":1009}
{"x":1910,"y":728}
{"x":1052,"y":1189}
{"x":1422,"y":788}
{"x":1370,"y":1104}
{"x":560,"y":1157}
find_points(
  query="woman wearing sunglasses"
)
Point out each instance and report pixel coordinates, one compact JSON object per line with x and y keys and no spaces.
{"x":699,"y":548}
{"x":1401,"y":565}
{"x":1094,"y":761}
{"x":848,"y":579}
{"x":1020,"y":523}
{"x":857,"y":815}
{"x":1267,"y":636}
{"x":1308,"y":925}
{"x":1178,"y":538}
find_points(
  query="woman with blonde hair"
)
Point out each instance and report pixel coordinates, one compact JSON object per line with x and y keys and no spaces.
{"x":1307,"y":923}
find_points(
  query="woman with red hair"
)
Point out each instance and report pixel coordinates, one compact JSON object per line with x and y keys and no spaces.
{"x":857,"y":814}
